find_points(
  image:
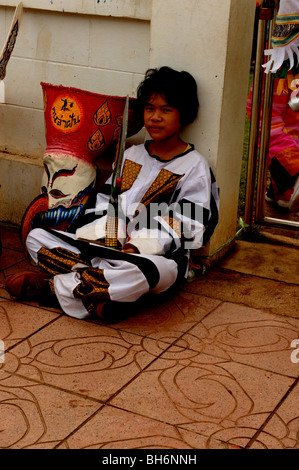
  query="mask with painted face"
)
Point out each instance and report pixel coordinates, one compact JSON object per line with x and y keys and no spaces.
{"x":80,"y":127}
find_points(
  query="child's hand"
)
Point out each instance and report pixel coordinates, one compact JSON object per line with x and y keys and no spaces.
{"x":128,"y":248}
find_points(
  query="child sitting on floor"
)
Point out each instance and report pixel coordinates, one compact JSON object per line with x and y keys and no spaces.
{"x":168,"y":204}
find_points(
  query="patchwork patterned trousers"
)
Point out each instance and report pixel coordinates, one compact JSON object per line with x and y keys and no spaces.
{"x":83,"y":274}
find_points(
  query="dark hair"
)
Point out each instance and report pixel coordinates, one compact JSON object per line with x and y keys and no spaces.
{"x":179,"y":89}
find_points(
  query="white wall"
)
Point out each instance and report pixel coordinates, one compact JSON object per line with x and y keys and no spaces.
{"x":215,"y":46}
{"x":105,"y":46}
{"x":103,"y":54}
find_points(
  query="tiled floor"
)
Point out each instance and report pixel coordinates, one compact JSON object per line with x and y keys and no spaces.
{"x":209,"y":368}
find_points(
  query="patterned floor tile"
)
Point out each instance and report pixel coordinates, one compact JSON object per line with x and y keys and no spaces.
{"x":18,"y":321}
{"x":11,"y":239}
{"x":167,"y":321}
{"x":36,"y":416}
{"x":3,"y":292}
{"x":23,"y":265}
{"x":112,"y":428}
{"x":10,"y":258}
{"x":248,"y":336}
{"x":83,"y":357}
{"x":265,"y":294}
{"x":208,"y":368}
{"x":222,"y":400}
{"x":264,"y":260}
{"x":282,"y":430}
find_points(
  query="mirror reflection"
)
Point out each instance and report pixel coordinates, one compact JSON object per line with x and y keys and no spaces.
{"x":282,"y":189}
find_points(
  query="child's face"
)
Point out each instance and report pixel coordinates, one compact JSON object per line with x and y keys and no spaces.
{"x":161,"y":120}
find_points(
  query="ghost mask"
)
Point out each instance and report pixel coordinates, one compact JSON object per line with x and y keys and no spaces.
{"x":67,"y":182}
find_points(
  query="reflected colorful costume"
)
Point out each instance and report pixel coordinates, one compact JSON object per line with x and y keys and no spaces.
{"x":284,"y":144}
{"x":284,"y":134}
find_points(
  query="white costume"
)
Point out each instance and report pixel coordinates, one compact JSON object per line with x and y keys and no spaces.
{"x":165,"y":209}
